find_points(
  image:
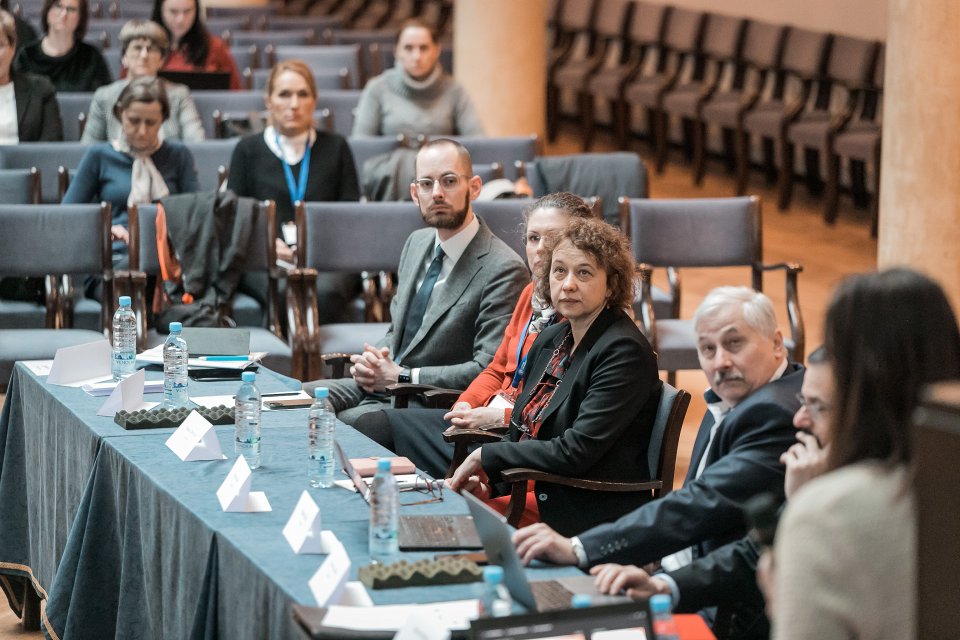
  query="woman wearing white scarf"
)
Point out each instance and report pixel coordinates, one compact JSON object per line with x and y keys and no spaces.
{"x":137,"y":167}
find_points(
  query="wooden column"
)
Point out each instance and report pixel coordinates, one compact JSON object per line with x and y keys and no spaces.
{"x":500,"y":59}
{"x":920,"y":180}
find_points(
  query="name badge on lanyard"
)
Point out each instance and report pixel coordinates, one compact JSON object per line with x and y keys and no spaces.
{"x":521,"y":362}
{"x":297,"y":190}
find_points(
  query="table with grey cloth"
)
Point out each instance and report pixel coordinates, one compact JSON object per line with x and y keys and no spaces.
{"x":50,"y":437}
{"x":150,"y":554}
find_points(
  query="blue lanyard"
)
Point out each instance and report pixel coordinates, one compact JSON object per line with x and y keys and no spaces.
{"x":297,"y":191}
{"x":521,"y":362}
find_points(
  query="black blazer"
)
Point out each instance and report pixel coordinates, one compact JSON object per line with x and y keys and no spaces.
{"x":38,"y":113}
{"x":706,"y":513}
{"x":597,"y":424}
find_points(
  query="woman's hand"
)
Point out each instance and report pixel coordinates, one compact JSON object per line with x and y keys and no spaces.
{"x":120,"y":232}
{"x":471,"y":477}
{"x":284,"y":252}
{"x":463,"y":416}
{"x":614,"y":579}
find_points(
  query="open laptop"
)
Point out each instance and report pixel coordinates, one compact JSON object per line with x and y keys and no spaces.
{"x":627,"y":621}
{"x":199,"y":80}
{"x":540,"y":595}
{"x":421,"y":533}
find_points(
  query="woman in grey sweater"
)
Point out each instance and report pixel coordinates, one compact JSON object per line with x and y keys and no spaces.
{"x":416,"y":96}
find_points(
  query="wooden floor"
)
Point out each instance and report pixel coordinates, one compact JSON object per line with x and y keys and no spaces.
{"x":798,"y":235}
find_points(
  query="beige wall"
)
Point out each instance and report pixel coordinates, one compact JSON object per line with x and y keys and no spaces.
{"x":861,"y":18}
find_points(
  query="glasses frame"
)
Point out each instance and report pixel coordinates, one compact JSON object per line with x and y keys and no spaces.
{"x":420,"y":183}
{"x":431,"y":487}
{"x":816,"y":409}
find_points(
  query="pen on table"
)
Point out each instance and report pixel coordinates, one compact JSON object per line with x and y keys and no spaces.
{"x":224,"y":358}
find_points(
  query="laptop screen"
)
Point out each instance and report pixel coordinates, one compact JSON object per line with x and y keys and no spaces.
{"x":355,"y":477}
{"x":629,"y":621}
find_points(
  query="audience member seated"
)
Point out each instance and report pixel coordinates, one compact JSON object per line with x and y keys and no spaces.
{"x":747,"y":426}
{"x":62,"y":55}
{"x":145,"y":46}
{"x":291,"y":160}
{"x":726,"y":578}
{"x":845,"y":550}
{"x":457,"y":287}
{"x":417,"y":433}
{"x":25,"y":31}
{"x":590,"y":391}
{"x":138,"y":166}
{"x":194,"y":48}
{"x":415,"y":97}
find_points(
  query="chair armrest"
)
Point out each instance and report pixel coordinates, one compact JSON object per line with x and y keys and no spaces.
{"x":441,"y":398}
{"x":402,"y":391}
{"x":647,"y":321}
{"x":523,"y":475}
{"x":463,"y":438}
{"x":337,"y":362}
{"x":795,"y":316}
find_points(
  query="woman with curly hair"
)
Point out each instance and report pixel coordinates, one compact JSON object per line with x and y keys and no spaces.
{"x":590,"y":390}
{"x":193,"y":48}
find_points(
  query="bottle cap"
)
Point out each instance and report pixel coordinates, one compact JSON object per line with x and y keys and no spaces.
{"x":176,"y":327}
{"x":581,"y":601}
{"x":493,"y":573}
{"x":321,"y":392}
{"x":124,"y":301}
{"x":248,"y":376}
{"x":383,"y":465}
{"x":660,"y":603}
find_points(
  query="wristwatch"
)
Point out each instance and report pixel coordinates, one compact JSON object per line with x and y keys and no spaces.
{"x":404,"y":375}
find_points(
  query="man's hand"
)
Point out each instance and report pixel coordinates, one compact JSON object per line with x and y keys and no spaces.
{"x":374,"y":369}
{"x":540,"y":542}
{"x":804,"y":461}
{"x":120,"y":232}
{"x":471,"y":477}
{"x":614,"y":579}
{"x":463,"y":416}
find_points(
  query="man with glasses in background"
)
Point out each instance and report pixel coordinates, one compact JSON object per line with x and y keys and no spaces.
{"x":458,"y":284}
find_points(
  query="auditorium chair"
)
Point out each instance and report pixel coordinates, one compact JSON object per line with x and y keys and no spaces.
{"x":804,"y":55}
{"x":689,"y":233}
{"x":318,"y":23}
{"x":47,"y":158}
{"x":725,"y":108}
{"x":245,"y":57}
{"x":506,"y":150}
{"x":261,"y":39}
{"x":371,"y":43}
{"x":859,"y":141}
{"x":325,"y":79}
{"x":834,"y":97}
{"x":51,"y":242}
{"x":644,"y":40}
{"x":661,"y":457}
{"x":321,"y":57}
{"x":261,"y":257}
{"x":678,"y":58}
{"x":720,"y":55}
{"x":73,"y":113}
{"x":574,"y":41}
{"x":328,"y":240}
{"x":20,"y":186}
{"x":209,"y":102}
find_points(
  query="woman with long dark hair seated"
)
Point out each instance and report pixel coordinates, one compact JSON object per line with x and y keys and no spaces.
{"x":590,"y":389}
{"x":845,"y":551}
{"x":193,"y":47}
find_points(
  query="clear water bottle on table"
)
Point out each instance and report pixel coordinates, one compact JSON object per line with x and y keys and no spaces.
{"x":664,"y":626}
{"x":124,"y":341}
{"x":175,"y":356}
{"x":247,"y":420}
{"x":496,"y":598}
{"x":322,"y":423}
{"x":384,"y":512}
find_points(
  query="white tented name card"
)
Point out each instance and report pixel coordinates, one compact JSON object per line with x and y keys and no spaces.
{"x":303,"y":530}
{"x":328,"y":582}
{"x":38,"y":367}
{"x":235,"y":495}
{"x":82,"y":364}
{"x":355,"y":595}
{"x":420,"y":626}
{"x":127,"y":396}
{"x":195,"y":439}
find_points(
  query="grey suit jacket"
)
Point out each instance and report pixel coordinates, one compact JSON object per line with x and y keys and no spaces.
{"x":183,"y":124}
{"x":463,"y":325}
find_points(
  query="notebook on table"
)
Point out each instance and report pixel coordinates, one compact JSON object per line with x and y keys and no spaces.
{"x":541,"y":595}
{"x":421,"y":533}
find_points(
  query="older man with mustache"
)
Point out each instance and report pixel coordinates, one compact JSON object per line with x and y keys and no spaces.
{"x":747,"y":426}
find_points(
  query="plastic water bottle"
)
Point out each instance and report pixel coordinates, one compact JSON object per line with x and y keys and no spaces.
{"x":496,"y":600}
{"x":581,"y":601}
{"x":323,"y":420}
{"x":175,"y":379}
{"x":247,"y":420}
{"x":384,"y":512}
{"x":124,"y":340}
{"x":664,"y":626}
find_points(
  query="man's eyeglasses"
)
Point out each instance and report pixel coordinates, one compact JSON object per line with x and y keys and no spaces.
{"x":448,"y":182}
{"x":425,"y":487}
{"x":56,"y":6}
{"x":816,"y":409}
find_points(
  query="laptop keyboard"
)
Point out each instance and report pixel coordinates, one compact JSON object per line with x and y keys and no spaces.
{"x":551,"y":595}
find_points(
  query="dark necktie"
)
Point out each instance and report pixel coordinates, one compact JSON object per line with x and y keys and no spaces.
{"x":419,"y":305}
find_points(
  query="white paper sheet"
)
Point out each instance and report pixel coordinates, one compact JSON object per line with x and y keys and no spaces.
{"x":456,"y":614}
{"x":155,"y":356}
{"x":39,"y":367}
